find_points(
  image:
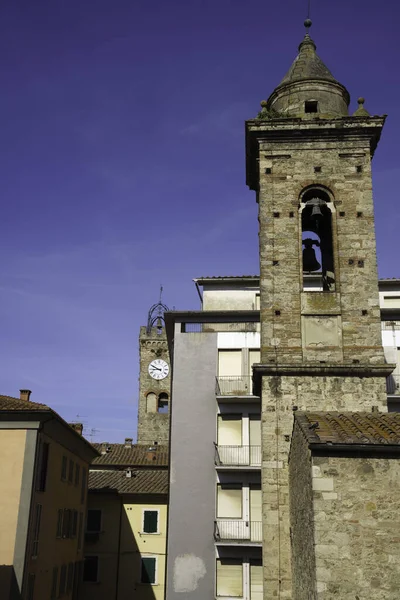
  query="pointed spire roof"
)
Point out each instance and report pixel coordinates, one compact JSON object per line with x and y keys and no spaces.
{"x":307,"y":64}
{"x":308,"y":80}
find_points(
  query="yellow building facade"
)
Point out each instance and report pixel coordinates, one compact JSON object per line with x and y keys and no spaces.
{"x":125,"y":529}
{"x":43,"y":492}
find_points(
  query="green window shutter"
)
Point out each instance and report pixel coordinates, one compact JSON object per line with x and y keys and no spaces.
{"x":150,"y":521}
{"x":148,"y":570}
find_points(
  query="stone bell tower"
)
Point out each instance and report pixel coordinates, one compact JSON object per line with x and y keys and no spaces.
{"x":309,"y":162}
{"x":154,"y":379}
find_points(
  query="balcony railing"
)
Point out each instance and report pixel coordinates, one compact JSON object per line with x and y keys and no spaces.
{"x":393,"y":385}
{"x":228,"y":530}
{"x":238,"y":456}
{"x":234,"y":386}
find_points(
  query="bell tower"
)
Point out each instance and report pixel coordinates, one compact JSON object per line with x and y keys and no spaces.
{"x":154,"y":379}
{"x":309,"y":162}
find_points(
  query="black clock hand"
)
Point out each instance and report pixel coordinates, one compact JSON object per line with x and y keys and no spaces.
{"x":158,"y":368}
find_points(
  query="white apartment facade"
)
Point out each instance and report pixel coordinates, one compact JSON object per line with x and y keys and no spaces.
{"x":215,"y":512}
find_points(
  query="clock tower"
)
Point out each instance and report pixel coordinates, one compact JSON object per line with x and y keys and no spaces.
{"x":154,"y":379}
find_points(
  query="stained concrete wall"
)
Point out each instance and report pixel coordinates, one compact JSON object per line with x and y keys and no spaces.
{"x":190,"y":545}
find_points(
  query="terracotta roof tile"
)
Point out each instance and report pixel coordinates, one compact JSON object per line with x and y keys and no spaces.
{"x":145,"y":481}
{"x":377,"y":429}
{"x":10,"y":403}
{"x":137,"y":455}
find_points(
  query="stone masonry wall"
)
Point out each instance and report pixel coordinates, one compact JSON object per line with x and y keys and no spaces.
{"x":152,"y":426}
{"x":357,"y":528}
{"x":279,"y":396}
{"x":301,"y":518}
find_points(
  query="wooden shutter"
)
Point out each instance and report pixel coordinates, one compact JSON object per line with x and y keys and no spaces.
{"x":256,"y":582}
{"x":150,"y":521}
{"x":229,"y":502}
{"x":229,"y":578}
{"x":148,"y":570}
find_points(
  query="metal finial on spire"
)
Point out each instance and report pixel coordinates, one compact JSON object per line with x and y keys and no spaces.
{"x":161,"y":291}
{"x":308,"y":22}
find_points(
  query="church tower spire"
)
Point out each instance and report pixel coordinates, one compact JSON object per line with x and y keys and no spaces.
{"x":309,"y":88}
{"x":309,"y":163}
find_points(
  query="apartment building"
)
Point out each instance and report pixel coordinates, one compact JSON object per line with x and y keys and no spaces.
{"x":215,"y":512}
{"x":126,"y":522}
{"x":43,"y":492}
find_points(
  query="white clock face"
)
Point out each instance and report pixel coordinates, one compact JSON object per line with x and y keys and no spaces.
{"x":158,"y":369}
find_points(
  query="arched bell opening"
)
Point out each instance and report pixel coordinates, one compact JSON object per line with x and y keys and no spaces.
{"x":317,"y":241}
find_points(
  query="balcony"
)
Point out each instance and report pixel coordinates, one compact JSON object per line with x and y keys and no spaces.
{"x":237,"y":532}
{"x":393,"y":385}
{"x":234,"y":386}
{"x":238,"y":456}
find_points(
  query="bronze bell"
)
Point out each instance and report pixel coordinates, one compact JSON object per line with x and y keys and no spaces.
{"x":316,"y":212}
{"x":310,"y":262}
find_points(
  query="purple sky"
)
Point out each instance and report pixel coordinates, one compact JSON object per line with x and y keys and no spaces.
{"x":122,"y":155}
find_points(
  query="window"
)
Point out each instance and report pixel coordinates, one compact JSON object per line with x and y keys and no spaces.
{"x":36,"y":530}
{"x":63,"y":580}
{"x":148,"y":570}
{"x":229,"y":501}
{"x":83,"y":486}
{"x":80,"y":530}
{"x":42,"y":467}
{"x":70,"y":577}
{"x":151,"y":402}
{"x":59,"y":522}
{"x":54,"y":581}
{"x":93,"y":523}
{"x":229,"y":578}
{"x":150,"y":521}
{"x":66,"y":525}
{"x":311,"y":106}
{"x":91,"y":569}
{"x":31,"y":586}
{"x":317,"y":239}
{"x":74,"y":526}
{"x":71,"y":471}
{"x":256,"y":580}
{"x":77,"y":473}
{"x":162,"y":406}
{"x":64,"y":468}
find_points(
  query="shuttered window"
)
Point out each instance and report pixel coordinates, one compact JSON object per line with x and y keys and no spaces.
{"x":229,"y":502}
{"x":54,"y":581}
{"x":230,"y":363}
{"x":255,"y":503}
{"x":148,"y":573}
{"x":229,"y":430}
{"x":255,"y":430}
{"x":256,"y":581}
{"x":93,"y":520}
{"x":150,"y":521}
{"x":229,"y":578}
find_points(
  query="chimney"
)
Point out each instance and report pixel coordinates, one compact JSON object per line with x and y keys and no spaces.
{"x":152,"y":452}
{"x":105,"y":448}
{"x":78,"y":427}
{"x":24,"y":395}
{"x":128,"y":442}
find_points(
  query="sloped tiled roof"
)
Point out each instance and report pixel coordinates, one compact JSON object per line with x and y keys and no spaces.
{"x":145,"y":481}
{"x":10,"y":403}
{"x":335,"y":428}
{"x":137,"y":455}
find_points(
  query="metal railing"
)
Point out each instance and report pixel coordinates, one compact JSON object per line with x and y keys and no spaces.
{"x":390,"y":325}
{"x":393,"y":385}
{"x":238,"y":456}
{"x":213,"y":327}
{"x":234,"y":386}
{"x":241,"y":531}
